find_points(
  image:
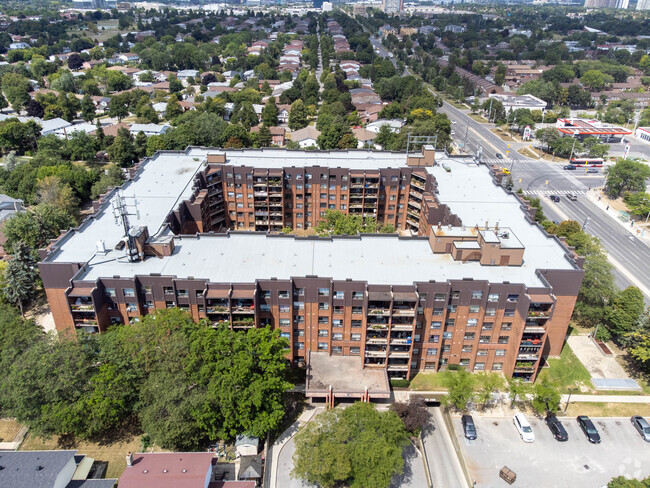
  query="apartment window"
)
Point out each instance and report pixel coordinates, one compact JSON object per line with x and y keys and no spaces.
{"x":265,"y":308}
{"x":484,"y":339}
{"x":490,"y":312}
{"x":322,"y":346}
{"x":170,"y":304}
{"x":455,"y":295}
{"x":355,"y":337}
{"x":434,"y":338}
{"x":357,"y":309}
{"x":450,"y":322}
{"x":477,"y":294}
{"x":357,"y":295}
{"x":323,"y":306}
{"x":451,"y":308}
{"x":355,"y":351}
{"x":440,"y":296}
{"x":509,"y":312}
{"x":436,"y":325}
{"x":147,"y":289}
{"x":299,"y":305}
{"x":432,"y":351}
{"x":285,"y":322}
{"x":430,"y":366}
{"x":488,"y":325}
{"x":300,"y":291}
{"x":116,"y":320}
{"x":479,"y":366}
{"x":493,"y":297}
{"x":339,"y":294}
{"x":500,"y":352}
{"x":506,"y":325}
{"x":299,"y":332}
{"x":337,"y":323}
{"x":344,"y":207}
{"x":198,"y":293}
{"x":513,"y":297}
{"x":285,"y":309}
{"x":299,"y":319}
{"x":323,"y":196}
{"x":423,"y":297}
{"x":464,"y":362}
{"x":148,"y":304}
{"x":128,"y":292}
{"x":503,"y":339}
{"x":481,"y":352}
{"x":338,"y":309}
{"x":323,"y":320}
{"x":446,"y":335}
{"x":337,"y":350}
{"x":283,"y":294}
{"x":323,"y":292}
{"x":474,"y":309}
{"x":416,"y":337}
{"x":323,"y":333}
{"x":472,"y":322}
{"x":110,"y":292}
{"x":355,"y":323}
{"x":286,"y":335}
{"x":300,"y":346}
{"x":497,"y":366}
{"x":438,"y":311}
{"x":338,"y":336}
{"x":469,"y":336}
{"x":182,"y":293}
{"x":131,"y":307}
{"x":168,"y":290}
{"x":467,"y":349}
{"x":416,"y":351}
{"x":446,"y":348}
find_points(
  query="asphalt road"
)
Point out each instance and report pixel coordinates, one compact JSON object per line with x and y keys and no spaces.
{"x":443,"y":462}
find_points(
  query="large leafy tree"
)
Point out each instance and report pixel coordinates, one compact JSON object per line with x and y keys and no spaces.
{"x":357,"y":446}
{"x":16,"y":88}
{"x":546,"y":397}
{"x":625,"y":311}
{"x":122,"y":152}
{"x":270,"y":113}
{"x":37,"y":226}
{"x":297,"y":115}
{"x":626,"y":175}
{"x":460,"y":385}
{"x":339,"y":223}
{"x":20,"y":277}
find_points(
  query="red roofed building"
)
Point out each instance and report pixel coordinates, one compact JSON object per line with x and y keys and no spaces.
{"x":582,"y":128}
{"x":167,"y":470}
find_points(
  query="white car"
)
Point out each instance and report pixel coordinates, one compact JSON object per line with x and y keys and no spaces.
{"x":523,"y":427}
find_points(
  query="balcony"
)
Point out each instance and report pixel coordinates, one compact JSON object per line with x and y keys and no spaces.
{"x":527,"y":357}
{"x":378,"y":326}
{"x":398,"y":367}
{"x":399,"y":354}
{"x":412,"y":222}
{"x":539,"y":314}
{"x":375,"y":354}
{"x":403,"y":312}
{"x":404,"y":327}
{"x":244,"y":309}
{"x":377,"y":340}
{"x":82,"y":308}
{"x":261,"y":194}
{"x":400,"y":341}
{"x":417,"y":183}
{"x":378,"y":312}
{"x":414,"y":204}
{"x":243,"y":323}
{"x":213,"y":310}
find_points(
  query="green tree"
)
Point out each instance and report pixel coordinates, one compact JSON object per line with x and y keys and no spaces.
{"x":341,"y":446}
{"x":623,"y":482}
{"x":638,"y":203}
{"x":490,"y":384}
{"x":122,"y":152}
{"x":173,"y":108}
{"x":414,"y":414}
{"x":297,"y":115}
{"x":264,"y":138}
{"x":270,"y":113}
{"x":16,"y":88}
{"x":20,"y":277}
{"x":118,"y":107}
{"x":339,"y":223}
{"x":625,"y":311}
{"x":517,"y":391}
{"x":175,"y":85}
{"x":626,"y":175}
{"x":546,"y":397}
{"x":460,"y":386}
{"x":594,"y":79}
{"x":87,"y":108}
{"x":112,"y":177}
{"x":245,"y":115}
{"x":639,"y":348}
{"x":37,"y":226}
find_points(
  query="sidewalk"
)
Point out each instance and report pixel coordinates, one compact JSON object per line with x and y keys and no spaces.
{"x":604,"y":204}
{"x":574,"y":398}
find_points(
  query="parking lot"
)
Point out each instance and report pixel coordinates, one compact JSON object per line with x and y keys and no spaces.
{"x":549,"y":463}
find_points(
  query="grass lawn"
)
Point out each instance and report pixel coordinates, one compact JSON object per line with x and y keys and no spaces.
{"x":567,"y":372}
{"x":478,"y":118}
{"x":602,"y":409}
{"x":435,"y":381}
{"x":112,"y":452}
{"x":8,"y":430}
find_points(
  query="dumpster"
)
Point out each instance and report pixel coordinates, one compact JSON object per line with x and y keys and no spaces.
{"x":508,"y":475}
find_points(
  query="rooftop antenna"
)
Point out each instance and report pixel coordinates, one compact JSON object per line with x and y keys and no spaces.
{"x":121,"y":214}
{"x":421,"y":140}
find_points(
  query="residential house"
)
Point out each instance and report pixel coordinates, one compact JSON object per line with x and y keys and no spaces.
{"x":277,"y":134}
{"x":49,"y":469}
{"x":283,"y":113}
{"x":18,"y":45}
{"x":53,"y":125}
{"x":393,"y":124}
{"x":149,"y":129}
{"x":306,"y":137}
{"x":167,"y":470}
{"x":365,"y":137}
{"x":129,"y":57}
{"x":185,"y":74}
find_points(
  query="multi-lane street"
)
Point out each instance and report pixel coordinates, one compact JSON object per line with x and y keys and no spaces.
{"x":540,"y":178}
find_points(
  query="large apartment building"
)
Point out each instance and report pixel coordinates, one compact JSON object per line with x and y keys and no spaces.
{"x":471,"y":279}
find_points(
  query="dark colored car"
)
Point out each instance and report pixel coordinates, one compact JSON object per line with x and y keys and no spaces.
{"x":555,"y":198}
{"x":642,"y":426}
{"x":556,"y":428}
{"x":499,"y":155}
{"x":468,"y":427}
{"x":592,"y":170}
{"x":589,"y":429}
{"x":569,"y":166}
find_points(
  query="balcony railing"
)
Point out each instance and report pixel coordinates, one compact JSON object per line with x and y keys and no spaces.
{"x":379,"y":311}
{"x":382,"y":326}
{"x":539,"y":314}
{"x":400,"y":341}
{"x":82,"y":308}
{"x":417,"y":183}
{"x":218,"y":310}
{"x":377,"y":340}
{"x":398,"y":367}
{"x":403,"y":312}
{"x":240,"y":310}
{"x":527,"y":357}
{"x":400,"y":354}
{"x":375,"y":354}
{"x":407,"y":327}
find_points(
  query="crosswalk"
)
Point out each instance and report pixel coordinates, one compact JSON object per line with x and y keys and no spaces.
{"x":554,"y":192}
{"x":504,"y":162}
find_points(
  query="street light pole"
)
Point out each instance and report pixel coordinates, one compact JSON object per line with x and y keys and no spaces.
{"x":571,"y":390}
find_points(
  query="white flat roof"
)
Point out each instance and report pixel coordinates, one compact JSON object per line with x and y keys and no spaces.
{"x":248,"y":256}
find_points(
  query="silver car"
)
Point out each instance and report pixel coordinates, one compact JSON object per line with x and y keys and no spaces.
{"x":642,"y":426}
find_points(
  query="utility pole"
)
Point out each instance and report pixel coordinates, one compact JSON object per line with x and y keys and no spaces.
{"x":490,"y":111}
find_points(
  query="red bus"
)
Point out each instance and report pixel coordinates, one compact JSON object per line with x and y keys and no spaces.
{"x":594,"y":162}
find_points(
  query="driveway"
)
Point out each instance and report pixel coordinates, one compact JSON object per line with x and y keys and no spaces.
{"x":549,"y":463}
{"x":598,"y":365}
{"x":444,"y":465}
{"x":413,"y":476}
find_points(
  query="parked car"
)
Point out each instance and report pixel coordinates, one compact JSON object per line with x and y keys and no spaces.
{"x":453,"y":121}
{"x":569,"y":166}
{"x":523,"y":427}
{"x":556,"y":428}
{"x":499,"y":155}
{"x":572,"y":197}
{"x":642,"y":426}
{"x":468,"y":427}
{"x":589,"y":429}
{"x":555,"y":198}
{"x":592,"y":170}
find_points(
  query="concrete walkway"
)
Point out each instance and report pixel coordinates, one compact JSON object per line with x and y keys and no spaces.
{"x":405,"y":394}
{"x":598,"y":365}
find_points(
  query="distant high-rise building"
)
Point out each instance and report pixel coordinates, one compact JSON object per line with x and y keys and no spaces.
{"x":643,"y":5}
{"x":392,"y":6}
{"x":318,"y":3}
{"x":622,"y":4}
